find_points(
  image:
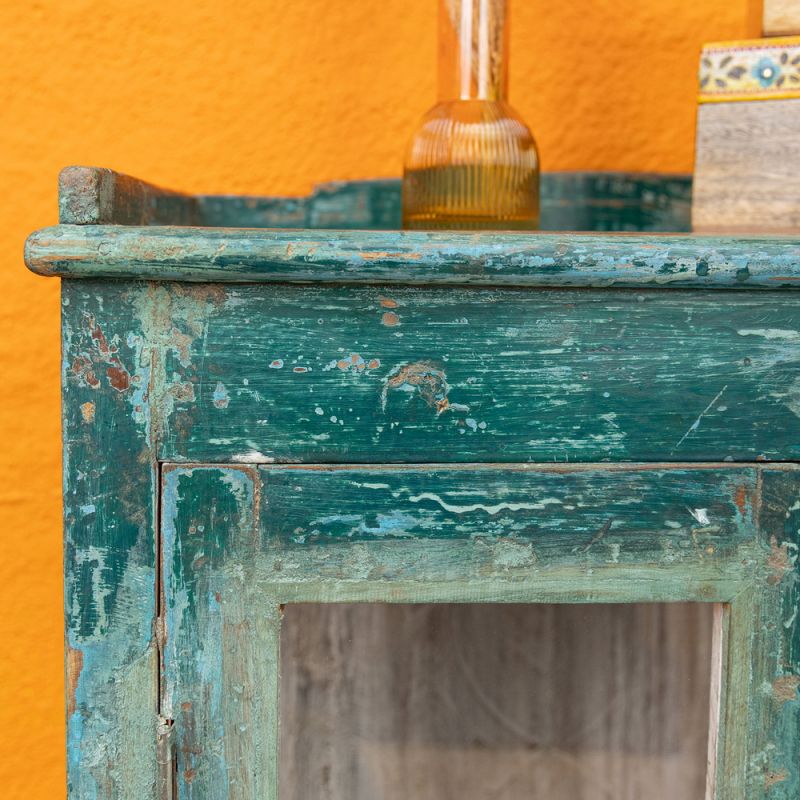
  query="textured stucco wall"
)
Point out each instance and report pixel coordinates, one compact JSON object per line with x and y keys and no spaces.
{"x":257,"y":96}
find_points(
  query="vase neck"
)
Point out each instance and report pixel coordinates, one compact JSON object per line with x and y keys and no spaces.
{"x":473,"y":49}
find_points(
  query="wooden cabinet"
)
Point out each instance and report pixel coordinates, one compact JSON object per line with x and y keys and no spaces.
{"x":257,"y":417}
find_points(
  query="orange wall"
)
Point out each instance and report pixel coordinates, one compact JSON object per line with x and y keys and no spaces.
{"x":267,"y":98}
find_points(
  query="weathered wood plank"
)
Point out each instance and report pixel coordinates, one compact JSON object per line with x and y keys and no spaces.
{"x":221,"y":651}
{"x":550,"y":702}
{"x":110,"y":490}
{"x":747,"y":167}
{"x":439,"y":375}
{"x":572,"y":535}
{"x":391,"y":257}
{"x":610,"y":201}
{"x":238,"y":542}
{"x":98,"y":196}
{"x":235,"y":548}
{"x":770,"y":678}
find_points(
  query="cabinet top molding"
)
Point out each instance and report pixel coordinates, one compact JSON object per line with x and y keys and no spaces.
{"x":242,"y":255}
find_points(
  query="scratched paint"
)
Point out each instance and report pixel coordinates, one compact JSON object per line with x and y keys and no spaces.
{"x":488,"y":259}
{"x":557,"y":376}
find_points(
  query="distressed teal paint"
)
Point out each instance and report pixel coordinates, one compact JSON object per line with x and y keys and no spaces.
{"x":376,"y":347}
{"x":625,"y":514}
{"x":774,"y":746}
{"x":324,"y":538}
{"x":109,"y":548}
{"x":581,"y":534}
{"x":362,"y":374}
{"x":213,"y":687}
{"x":393,"y":257}
{"x":569,"y":201}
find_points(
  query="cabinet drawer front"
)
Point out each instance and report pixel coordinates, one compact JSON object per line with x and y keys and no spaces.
{"x":360,"y":375}
{"x":342,"y":374}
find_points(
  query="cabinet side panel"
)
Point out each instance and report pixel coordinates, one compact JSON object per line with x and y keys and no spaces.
{"x":109,"y":548}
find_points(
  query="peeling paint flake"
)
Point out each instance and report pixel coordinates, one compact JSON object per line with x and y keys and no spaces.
{"x":88,"y":412}
{"x":425,"y":379}
{"x":221,"y":397}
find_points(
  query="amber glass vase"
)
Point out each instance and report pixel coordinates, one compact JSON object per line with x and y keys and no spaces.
{"x":472,"y":163}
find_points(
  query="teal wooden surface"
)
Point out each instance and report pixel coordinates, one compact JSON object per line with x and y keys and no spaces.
{"x":379,"y":347}
{"x":110,"y":491}
{"x":410,"y":534}
{"x":351,"y":374}
{"x":403,"y":257}
{"x":555,"y":534}
{"x":758,"y":744}
{"x":569,"y":201}
{"x":220,"y":666}
{"x":95,"y":196}
{"x":773,"y":745}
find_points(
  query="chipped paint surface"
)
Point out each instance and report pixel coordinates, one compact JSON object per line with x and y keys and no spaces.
{"x":780,"y":560}
{"x":395,"y":257}
{"x":555,"y":376}
{"x":784,"y":689}
{"x":88,"y":411}
{"x":329,"y":535}
{"x":425,"y":379}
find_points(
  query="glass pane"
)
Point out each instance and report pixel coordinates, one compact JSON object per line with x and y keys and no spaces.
{"x":473,"y":702}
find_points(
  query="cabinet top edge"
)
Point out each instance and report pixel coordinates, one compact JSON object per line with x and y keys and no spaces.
{"x":256,"y":255}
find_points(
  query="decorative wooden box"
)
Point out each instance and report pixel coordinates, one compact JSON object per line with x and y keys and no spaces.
{"x":258,"y":417}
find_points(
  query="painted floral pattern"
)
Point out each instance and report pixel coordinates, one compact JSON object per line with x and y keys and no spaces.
{"x":750,"y":70}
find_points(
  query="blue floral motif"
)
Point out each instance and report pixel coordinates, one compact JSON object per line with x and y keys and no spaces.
{"x":766,"y":71}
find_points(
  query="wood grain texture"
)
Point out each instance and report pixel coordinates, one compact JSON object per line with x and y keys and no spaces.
{"x":110,"y":491}
{"x":578,"y":534}
{"x":747,"y":168}
{"x":97,"y":196}
{"x":435,"y":375}
{"x":392,"y":257}
{"x":485,"y":702}
{"x":773,"y":744}
{"x":781,"y":17}
{"x":569,"y":200}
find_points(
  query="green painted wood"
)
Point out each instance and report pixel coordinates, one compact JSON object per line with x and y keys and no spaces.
{"x":355,"y":375}
{"x":344,"y":374}
{"x":557,"y":534}
{"x":569,"y":201}
{"x":238,"y":545}
{"x":98,"y":196}
{"x":110,"y":488}
{"x":772,"y":680}
{"x":220,"y":661}
{"x":395,"y":257}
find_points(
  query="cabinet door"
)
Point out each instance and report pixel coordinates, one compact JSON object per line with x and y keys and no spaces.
{"x":239,"y":543}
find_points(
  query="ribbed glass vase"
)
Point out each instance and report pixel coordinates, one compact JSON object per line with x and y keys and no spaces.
{"x":472,"y":163}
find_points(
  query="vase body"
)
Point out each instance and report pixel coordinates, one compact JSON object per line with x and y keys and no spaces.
{"x":472,"y":162}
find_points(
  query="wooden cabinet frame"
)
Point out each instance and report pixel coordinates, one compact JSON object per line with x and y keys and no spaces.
{"x":142,"y":305}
